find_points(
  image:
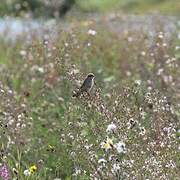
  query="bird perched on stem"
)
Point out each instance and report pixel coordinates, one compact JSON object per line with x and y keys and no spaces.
{"x":86,"y":86}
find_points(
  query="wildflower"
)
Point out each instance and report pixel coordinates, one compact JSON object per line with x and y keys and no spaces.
{"x":66,"y":44}
{"x":161,"y":35}
{"x":160,"y":71}
{"x":4,"y":174}
{"x":130,"y":39}
{"x":77,"y":171}
{"x":111,"y":128}
{"x":131,"y":124}
{"x":108,"y":144}
{"x":102,"y":160}
{"x":37,"y":69}
{"x":32,"y":169}
{"x":120,"y":147}
{"x":92,"y":32}
{"x":51,"y":148}
{"x":40,"y":69}
{"x":45,"y":42}
{"x":171,"y":164}
{"x":115,"y":168}
{"x":27,"y":172}
{"x":23,"y":53}
{"x":128,"y":73}
{"x":142,"y":131}
{"x":143,"y":53}
{"x":137,"y":82}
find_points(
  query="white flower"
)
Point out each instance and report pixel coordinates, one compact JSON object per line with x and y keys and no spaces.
{"x":142,"y":131}
{"x":23,"y":53}
{"x":120,"y":147}
{"x":160,"y":35}
{"x":66,"y":44}
{"x":115,"y":168}
{"x":27,"y":172}
{"x":143,"y":53}
{"x":130,"y":39}
{"x":102,"y":160}
{"x":77,"y":172}
{"x":40,"y":69}
{"x":92,"y":32}
{"x":37,"y":68}
{"x":111,"y":128}
{"x":137,"y":82}
{"x":160,"y":71}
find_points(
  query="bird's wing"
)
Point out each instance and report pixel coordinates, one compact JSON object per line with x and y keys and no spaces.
{"x":83,"y":86}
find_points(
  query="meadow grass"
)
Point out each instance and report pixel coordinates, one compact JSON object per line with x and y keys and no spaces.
{"x":38,"y":8}
{"x":131,"y":6}
{"x":127,"y":129}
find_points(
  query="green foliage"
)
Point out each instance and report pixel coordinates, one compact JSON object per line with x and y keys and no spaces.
{"x":39,"y":8}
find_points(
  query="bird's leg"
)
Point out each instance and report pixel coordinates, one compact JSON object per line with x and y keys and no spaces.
{"x":88,"y":93}
{"x":90,"y":97}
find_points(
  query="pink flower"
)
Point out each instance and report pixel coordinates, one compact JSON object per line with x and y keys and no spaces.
{"x":4,"y":174}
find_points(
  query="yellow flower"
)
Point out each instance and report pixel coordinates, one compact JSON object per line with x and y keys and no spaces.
{"x":32,"y":169}
{"x":109,"y":141}
{"x":107,"y":144}
{"x":51,"y":148}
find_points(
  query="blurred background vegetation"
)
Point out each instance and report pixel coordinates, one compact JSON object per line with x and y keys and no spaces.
{"x":136,"y":60}
{"x":58,"y":8}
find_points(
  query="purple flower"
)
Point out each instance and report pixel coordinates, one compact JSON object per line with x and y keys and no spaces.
{"x":4,"y":174}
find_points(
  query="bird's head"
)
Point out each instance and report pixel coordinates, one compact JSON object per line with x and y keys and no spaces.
{"x":91,"y":76}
